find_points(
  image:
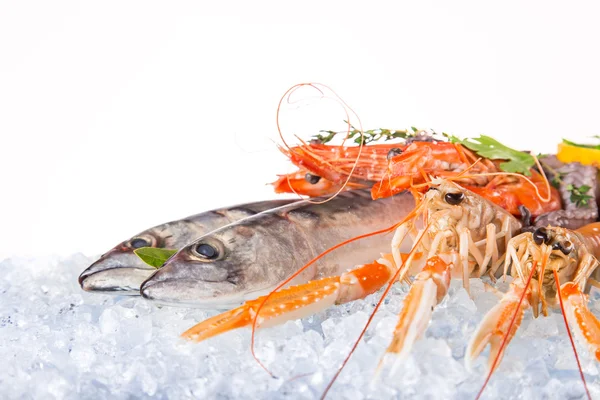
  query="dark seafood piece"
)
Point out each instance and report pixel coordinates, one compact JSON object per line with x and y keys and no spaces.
{"x":572,"y":175}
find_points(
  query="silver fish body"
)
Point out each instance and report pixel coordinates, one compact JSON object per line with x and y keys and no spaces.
{"x":248,"y":258}
{"x":120,"y":271}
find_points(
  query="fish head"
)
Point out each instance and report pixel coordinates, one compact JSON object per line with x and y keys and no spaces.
{"x":221,"y":269}
{"x":121,"y":271}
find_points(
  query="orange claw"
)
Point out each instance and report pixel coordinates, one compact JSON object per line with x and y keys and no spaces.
{"x":428,"y":289}
{"x":298,"y":301}
{"x":494,"y":329}
{"x":581,"y":317}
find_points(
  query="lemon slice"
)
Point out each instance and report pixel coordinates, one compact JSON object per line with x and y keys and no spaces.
{"x":568,"y":153}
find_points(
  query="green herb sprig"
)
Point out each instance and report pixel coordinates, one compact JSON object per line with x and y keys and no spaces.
{"x":579,"y":195}
{"x":153,"y":256}
{"x":369,"y":136}
{"x":486,"y":146}
{"x":557,"y":179}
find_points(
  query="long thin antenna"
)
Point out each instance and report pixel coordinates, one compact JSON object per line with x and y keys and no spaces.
{"x":315,"y":259}
{"x":364,"y":330}
{"x":505,"y":339}
{"x":562,"y":308}
{"x":347,"y":111}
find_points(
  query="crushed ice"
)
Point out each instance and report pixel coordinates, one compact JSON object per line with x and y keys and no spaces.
{"x":57,"y":341}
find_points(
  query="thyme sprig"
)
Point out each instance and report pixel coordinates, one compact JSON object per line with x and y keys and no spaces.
{"x":557,"y":179}
{"x":368,"y":136}
{"x":579,"y":194}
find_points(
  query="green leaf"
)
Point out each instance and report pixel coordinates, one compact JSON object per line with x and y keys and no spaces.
{"x":488,"y":147}
{"x":325,"y":138}
{"x":584,"y":188}
{"x":153,"y":256}
{"x":451,"y":138}
{"x":585,"y":146}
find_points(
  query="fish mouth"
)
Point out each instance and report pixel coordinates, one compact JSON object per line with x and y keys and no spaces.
{"x":192,"y":293}
{"x":116,"y":273}
{"x":181,"y":282}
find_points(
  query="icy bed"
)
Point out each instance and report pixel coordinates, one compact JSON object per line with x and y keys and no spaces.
{"x":57,"y":341}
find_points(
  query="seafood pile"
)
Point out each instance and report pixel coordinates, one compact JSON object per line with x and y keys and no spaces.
{"x":417,"y":213}
{"x":413,"y":269}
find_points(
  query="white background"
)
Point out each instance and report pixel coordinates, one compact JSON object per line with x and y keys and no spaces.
{"x":119,"y":115}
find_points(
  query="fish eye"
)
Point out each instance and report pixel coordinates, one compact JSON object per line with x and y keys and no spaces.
{"x":540,"y":235}
{"x":454,"y":199}
{"x":393,"y":153}
{"x":206,"y":251}
{"x":138,"y":242}
{"x":312,"y":179}
{"x":565,"y":247}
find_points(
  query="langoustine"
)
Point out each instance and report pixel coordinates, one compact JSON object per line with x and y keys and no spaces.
{"x":551,"y":266}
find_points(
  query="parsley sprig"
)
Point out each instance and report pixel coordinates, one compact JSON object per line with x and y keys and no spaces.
{"x":579,"y":194}
{"x":517,"y":161}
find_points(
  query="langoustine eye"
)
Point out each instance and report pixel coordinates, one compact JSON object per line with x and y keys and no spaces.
{"x":454,"y":199}
{"x":540,"y":236}
{"x":565,"y":247}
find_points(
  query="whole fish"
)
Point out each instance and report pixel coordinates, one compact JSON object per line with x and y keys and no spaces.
{"x":245,"y":259}
{"x":120,"y":271}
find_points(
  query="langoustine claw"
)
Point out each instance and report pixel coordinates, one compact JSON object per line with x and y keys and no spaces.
{"x":498,"y":326}
{"x":298,"y":301}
